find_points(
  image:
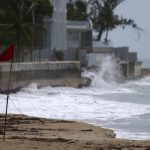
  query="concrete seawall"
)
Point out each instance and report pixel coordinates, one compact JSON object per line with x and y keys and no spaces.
{"x":146,"y":72}
{"x":43,"y":73}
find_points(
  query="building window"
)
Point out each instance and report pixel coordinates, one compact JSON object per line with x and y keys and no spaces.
{"x":86,"y":39}
{"x":74,"y":39}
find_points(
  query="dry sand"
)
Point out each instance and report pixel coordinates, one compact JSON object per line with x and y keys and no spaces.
{"x":30,"y":133}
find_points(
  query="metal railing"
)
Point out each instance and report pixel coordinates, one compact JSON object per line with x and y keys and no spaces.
{"x":39,"y":55}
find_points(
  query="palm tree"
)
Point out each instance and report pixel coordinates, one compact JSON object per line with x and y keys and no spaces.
{"x":17,"y":20}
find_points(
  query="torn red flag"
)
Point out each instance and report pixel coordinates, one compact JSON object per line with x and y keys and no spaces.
{"x":8,"y":53}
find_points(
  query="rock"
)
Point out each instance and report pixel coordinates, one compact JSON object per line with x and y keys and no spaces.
{"x":85,"y":82}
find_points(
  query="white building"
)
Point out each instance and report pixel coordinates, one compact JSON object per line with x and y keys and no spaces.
{"x":56,"y":37}
{"x":66,"y":35}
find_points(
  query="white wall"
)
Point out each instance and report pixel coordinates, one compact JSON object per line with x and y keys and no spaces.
{"x":58,"y":25}
{"x":95,"y":59}
{"x":138,"y":69}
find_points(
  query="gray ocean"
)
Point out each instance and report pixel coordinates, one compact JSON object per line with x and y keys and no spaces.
{"x":146,"y":63}
{"x":121,"y":106}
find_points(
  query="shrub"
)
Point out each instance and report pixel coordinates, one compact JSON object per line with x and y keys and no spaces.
{"x":59,"y":55}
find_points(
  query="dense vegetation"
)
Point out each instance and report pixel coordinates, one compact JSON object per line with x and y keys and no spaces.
{"x":101,"y":15}
{"x":76,"y":10}
{"x":18,"y":18}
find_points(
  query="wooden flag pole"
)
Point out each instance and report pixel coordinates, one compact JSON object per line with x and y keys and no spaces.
{"x":7,"y":100}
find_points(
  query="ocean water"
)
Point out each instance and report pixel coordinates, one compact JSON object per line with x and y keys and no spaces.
{"x":146,"y":63}
{"x":121,"y":106}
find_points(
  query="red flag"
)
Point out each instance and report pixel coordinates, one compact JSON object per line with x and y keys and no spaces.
{"x":8,"y":53}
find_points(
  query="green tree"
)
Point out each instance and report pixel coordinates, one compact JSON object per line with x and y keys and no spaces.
{"x":76,"y":10}
{"x":16,"y":19}
{"x":104,"y":19}
{"x":70,"y":11}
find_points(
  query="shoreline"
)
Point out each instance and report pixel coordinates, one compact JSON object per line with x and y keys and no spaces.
{"x":145,"y":72}
{"x":25,"y":132}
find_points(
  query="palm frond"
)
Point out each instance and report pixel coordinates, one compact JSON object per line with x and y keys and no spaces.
{"x":38,"y":26}
{"x":27,"y":35}
{"x":31,"y":7}
{"x":5,"y":29}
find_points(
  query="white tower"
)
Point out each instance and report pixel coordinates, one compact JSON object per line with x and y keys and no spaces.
{"x":57,"y":26}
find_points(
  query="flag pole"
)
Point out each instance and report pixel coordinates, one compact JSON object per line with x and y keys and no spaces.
{"x":7,"y":100}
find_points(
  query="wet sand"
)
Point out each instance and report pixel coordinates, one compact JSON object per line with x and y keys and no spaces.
{"x":30,"y":133}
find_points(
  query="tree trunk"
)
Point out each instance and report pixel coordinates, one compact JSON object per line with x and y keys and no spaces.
{"x":99,"y":36}
{"x":106,"y":37}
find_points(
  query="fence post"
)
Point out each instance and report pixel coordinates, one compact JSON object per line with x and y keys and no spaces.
{"x":54,"y":54}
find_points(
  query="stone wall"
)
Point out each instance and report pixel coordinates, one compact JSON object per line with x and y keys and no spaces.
{"x":43,"y":73}
{"x":146,"y":72}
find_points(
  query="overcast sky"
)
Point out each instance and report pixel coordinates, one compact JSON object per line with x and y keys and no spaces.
{"x":139,"y":10}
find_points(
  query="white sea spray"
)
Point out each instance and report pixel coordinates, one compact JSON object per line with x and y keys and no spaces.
{"x":101,"y":104}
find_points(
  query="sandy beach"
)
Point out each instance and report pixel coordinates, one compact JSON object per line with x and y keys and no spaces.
{"x":30,"y":133}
